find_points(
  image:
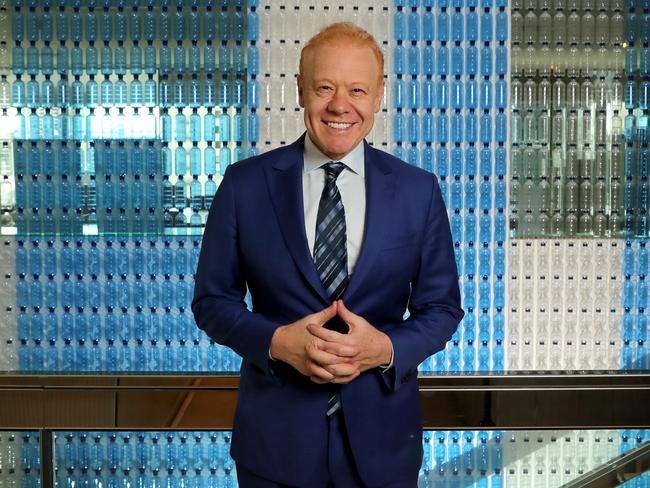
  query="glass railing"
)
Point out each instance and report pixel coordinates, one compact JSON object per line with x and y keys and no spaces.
{"x":471,"y":458}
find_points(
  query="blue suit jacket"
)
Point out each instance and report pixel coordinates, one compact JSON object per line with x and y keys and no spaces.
{"x":255,"y":237}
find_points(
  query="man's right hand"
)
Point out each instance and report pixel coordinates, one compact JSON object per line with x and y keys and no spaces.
{"x":293,"y":343}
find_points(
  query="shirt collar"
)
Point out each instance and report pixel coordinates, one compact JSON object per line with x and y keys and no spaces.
{"x":314,"y":158}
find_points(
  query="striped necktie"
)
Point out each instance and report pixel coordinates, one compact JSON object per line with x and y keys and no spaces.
{"x":330,"y":248}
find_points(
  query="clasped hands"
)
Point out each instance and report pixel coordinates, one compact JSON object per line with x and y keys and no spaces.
{"x":327,"y":356}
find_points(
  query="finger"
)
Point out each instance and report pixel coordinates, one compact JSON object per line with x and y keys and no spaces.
{"x":325,"y":334}
{"x":345,"y":352}
{"x":324,"y":315}
{"x":345,"y":379}
{"x":322,"y":357}
{"x":343,"y":370}
{"x":340,"y":353}
{"x":316,"y":379}
{"x":343,"y":312}
{"x":332,"y":342}
{"x":318,"y":371}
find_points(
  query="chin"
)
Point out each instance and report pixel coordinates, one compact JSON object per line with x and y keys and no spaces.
{"x":342,"y":147}
{"x":338,"y":152}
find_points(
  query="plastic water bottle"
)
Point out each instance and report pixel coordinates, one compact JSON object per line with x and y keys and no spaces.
{"x":195,"y":126}
{"x":150,"y":53}
{"x":150,"y":91}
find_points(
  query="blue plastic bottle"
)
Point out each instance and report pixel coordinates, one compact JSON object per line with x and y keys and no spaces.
{"x":150,"y":53}
{"x":225,"y":93}
{"x":180,"y":196}
{"x":32,"y":59}
{"x":33,"y":93}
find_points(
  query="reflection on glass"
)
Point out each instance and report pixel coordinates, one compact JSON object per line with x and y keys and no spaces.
{"x":592,"y":102}
{"x":483,"y":458}
{"x":20,"y":460}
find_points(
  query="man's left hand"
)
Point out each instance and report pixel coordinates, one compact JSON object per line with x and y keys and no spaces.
{"x":374,"y":346}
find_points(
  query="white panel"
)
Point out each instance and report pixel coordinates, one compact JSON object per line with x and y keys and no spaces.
{"x":552,"y":458}
{"x":564,"y":300}
{"x":8,"y":324}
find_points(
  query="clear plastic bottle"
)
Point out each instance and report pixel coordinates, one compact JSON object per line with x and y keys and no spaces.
{"x":530,"y":23}
{"x":588,"y":28}
{"x":559,"y":95}
{"x":150,"y":56}
{"x":557,"y":126}
{"x":602,"y":29}
{"x":559,"y":24}
{"x":5,"y":92}
{"x":530,"y":135}
{"x":543,"y":35}
{"x":573,"y":25}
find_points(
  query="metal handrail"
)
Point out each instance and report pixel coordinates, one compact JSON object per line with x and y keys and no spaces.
{"x":616,"y":471}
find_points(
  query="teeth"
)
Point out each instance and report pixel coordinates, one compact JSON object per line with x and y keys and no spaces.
{"x":338,"y":125}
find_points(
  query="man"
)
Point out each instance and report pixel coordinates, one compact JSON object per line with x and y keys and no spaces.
{"x":334,"y":240}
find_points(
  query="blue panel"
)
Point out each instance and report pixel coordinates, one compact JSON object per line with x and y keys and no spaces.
{"x":459,"y":132}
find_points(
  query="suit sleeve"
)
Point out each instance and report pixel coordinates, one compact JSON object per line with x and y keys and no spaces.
{"x":218,"y":305}
{"x":434,"y":305}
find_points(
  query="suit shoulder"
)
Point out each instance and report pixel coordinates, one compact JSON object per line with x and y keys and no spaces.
{"x":259,"y":161}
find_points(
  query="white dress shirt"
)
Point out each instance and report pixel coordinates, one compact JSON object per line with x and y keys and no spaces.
{"x":352,"y":187}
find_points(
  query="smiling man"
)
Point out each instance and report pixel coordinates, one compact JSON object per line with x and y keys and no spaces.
{"x":334,"y":240}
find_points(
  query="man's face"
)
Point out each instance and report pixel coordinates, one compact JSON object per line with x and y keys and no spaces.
{"x":340,"y":89}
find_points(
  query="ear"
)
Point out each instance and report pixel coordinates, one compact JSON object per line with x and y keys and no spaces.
{"x":301,"y":96}
{"x":380,"y":96}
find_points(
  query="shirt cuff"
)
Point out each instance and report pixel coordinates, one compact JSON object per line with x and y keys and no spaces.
{"x":273,"y":359}
{"x":384,"y":367}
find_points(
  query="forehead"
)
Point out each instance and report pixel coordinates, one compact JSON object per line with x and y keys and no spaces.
{"x":348,"y":58}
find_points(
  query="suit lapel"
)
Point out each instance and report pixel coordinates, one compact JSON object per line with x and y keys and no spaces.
{"x":284,"y":179}
{"x":380,"y":190}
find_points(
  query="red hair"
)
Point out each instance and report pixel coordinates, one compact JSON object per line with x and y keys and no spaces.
{"x":343,"y":31}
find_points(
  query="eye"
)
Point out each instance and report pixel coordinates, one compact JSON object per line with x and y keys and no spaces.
{"x":358,"y":91}
{"x":324,"y":89}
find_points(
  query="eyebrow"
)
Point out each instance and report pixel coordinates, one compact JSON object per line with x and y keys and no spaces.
{"x":354,"y":83}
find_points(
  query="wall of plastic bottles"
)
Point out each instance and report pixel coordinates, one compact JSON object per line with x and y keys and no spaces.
{"x":579,"y":104}
{"x":201,"y":458}
{"x":118,"y":119}
{"x":565,"y":317}
{"x":578,"y":169}
{"x":561,"y":76}
{"x":635,"y":329}
{"x":20,"y":459}
{"x":555,"y":457}
{"x":448,"y":106}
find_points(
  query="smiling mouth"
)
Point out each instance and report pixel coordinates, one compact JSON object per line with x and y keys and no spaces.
{"x":339,"y":125}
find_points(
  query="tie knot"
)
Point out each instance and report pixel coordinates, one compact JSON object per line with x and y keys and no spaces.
{"x":333,"y":170}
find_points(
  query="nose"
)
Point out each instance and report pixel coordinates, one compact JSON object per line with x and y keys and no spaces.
{"x":338,"y":104}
